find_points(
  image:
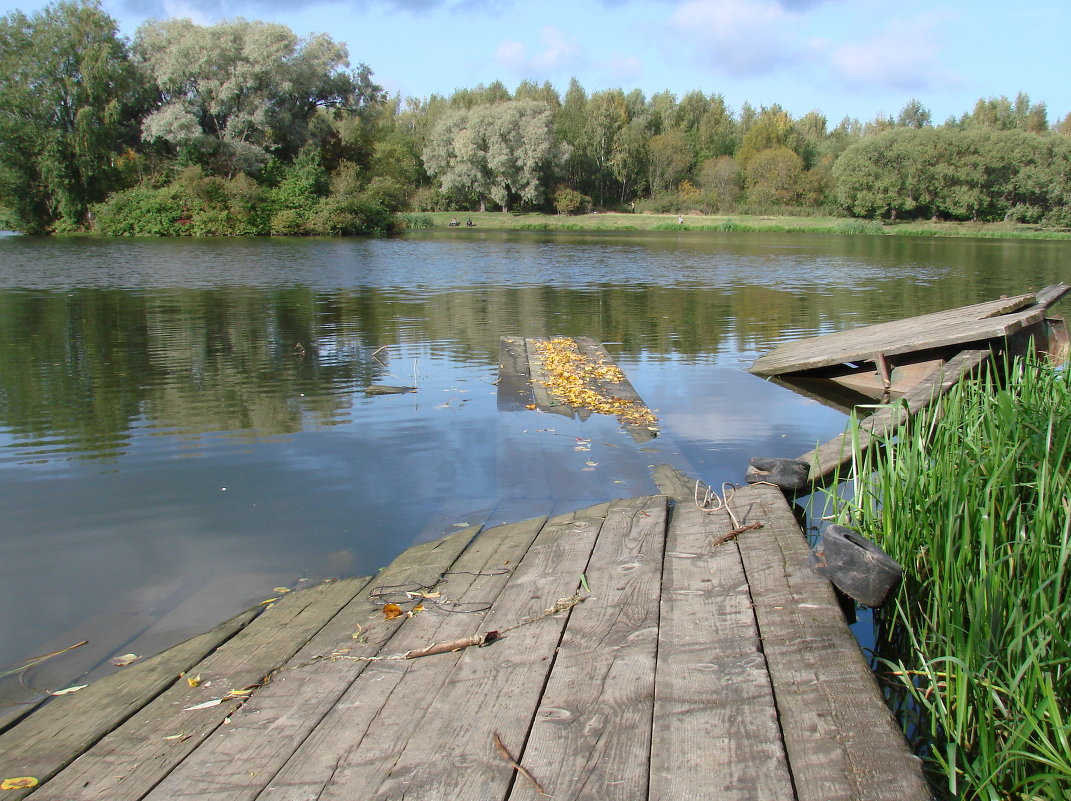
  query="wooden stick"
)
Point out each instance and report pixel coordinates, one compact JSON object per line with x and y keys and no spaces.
{"x":517,"y":766}
{"x":447,"y":646}
{"x":729,"y":535}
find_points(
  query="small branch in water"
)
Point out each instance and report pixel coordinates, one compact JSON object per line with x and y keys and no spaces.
{"x":517,"y":766}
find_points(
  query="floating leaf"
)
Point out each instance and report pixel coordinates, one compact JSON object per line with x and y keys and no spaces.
{"x":391,"y":611}
{"x":531,"y":407}
{"x":124,"y":660}
{"x":69,"y":690}
{"x":280,"y":589}
{"x":18,"y":783}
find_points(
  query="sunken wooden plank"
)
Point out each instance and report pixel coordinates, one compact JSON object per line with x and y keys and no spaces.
{"x":623,"y":389}
{"x":975,"y":323}
{"x":827,"y":459}
{"x":842,"y":742}
{"x":674,"y":483}
{"x":355,"y":744}
{"x":494,"y":689}
{"x":716,"y":732}
{"x":543,"y":399}
{"x":240,"y":760}
{"x":514,"y":377}
{"x":133,"y":758}
{"x":54,"y":735}
{"x":592,"y":732}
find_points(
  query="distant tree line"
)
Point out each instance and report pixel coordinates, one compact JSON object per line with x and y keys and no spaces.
{"x":243,"y":128}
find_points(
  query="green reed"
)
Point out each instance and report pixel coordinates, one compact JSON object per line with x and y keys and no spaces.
{"x":974,"y":500}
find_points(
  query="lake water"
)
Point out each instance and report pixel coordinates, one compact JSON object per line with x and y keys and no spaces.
{"x":169,"y":456}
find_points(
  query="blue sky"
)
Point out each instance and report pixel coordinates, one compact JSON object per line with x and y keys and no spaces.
{"x":842,"y":57}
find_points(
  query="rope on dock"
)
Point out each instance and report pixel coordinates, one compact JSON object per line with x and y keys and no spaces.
{"x":711,"y":502}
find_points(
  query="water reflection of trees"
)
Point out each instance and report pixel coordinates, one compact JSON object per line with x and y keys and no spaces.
{"x":83,"y":367}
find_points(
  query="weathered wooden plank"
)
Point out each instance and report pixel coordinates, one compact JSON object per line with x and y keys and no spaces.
{"x":592,"y":732}
{"x":238,"y":762}
{"x":514,"y":376}
{"x":716,"y":733}
{"x":494,"y":689}
{"x":132,"y":759}
{"x":826,"y":459}
{"x":543,"y":399}
{"x":54,"y":735}
{"x":352,"y":748}
{"x":982,"y":321}
{"x":841,"y":739}
{"x":674,"y":483}
{"x":597,"y":354}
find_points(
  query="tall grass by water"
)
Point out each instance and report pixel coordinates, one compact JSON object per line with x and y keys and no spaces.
{"x":974,"y":500}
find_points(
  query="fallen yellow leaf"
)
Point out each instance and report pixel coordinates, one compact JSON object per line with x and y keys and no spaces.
{"x":124,"y":660}
{"x":391,"y":611}
{"x":18,"y":783}
{"x":194,"y":681}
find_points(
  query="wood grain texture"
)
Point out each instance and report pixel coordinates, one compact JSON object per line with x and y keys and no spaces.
{"x":842,"y":742}
{"x":352,"y":748}
{"x":591,"y":737}
{"x":494,"y":689}
{"x":982,"y":321}
{"x":240,"y":759}
{"x":716,"y":732}
{"x":63,"y":729}
{"x":133,"y":758}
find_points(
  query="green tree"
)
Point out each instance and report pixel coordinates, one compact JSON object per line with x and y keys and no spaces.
{"x":669,"y":159}
{"x":498,"y":152}
{"x":68,"y":99}
{"x":773,"y":176}
{"x":722,"y":181}
{"x":234,"y":92}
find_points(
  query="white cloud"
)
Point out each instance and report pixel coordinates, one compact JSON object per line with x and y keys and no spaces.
{"x":623,"y":70}
{"x":906,"y":56}
{"x":738,"y":37}
{"x":560,"y":53}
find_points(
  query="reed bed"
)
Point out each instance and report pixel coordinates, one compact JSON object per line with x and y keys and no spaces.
{"x":974,"y":500}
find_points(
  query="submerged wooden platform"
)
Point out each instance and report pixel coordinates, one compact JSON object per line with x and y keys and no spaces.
{"x":689,"y":669}
{"x":522,"y":381}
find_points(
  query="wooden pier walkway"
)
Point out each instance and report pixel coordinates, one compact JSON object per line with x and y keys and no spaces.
{"x":689,"y":670}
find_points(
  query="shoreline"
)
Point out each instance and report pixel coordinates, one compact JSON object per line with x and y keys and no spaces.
{"x":618,"y":222}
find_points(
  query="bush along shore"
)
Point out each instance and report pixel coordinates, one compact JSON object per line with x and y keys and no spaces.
{"x":974,"y":500}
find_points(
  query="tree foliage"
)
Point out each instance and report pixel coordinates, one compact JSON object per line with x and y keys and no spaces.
{"x":68,"y":104}
{"x":237,"y":91}
{"x":497,"y":152}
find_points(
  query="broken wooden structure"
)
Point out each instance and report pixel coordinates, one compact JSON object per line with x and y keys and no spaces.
{"x":907,"y":364}
{"x":634,"y":659}
{"x":523,"y":382}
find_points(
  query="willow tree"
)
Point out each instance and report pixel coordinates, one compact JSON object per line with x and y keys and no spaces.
{"x":68,"y":102}
{"x":233,"y":93}
{"x":500,"y":152}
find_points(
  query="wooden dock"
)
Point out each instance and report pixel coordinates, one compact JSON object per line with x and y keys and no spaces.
{"x":908,"y":364}
{"x":675,"y":668}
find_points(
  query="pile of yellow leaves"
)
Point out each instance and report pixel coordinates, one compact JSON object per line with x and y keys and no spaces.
{"x":574,"y":379}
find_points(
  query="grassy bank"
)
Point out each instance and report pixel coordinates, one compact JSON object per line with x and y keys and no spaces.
{"x":694,"y":222}
{"x":976,"y":505}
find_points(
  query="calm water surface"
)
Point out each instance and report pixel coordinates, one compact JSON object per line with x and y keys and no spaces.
{"x":168,"y":456}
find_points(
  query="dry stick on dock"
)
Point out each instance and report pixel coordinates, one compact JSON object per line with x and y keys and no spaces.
{"x":517,"y":766}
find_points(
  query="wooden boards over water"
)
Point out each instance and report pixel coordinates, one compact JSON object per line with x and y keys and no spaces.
{"x":912,"y":362}
{"x":522,"y":381}
{"x":688,"y":670}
